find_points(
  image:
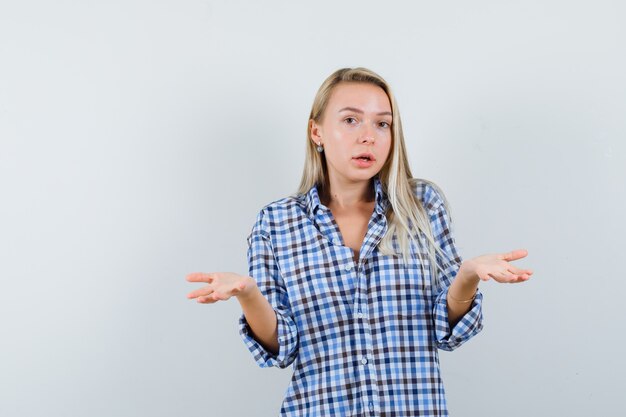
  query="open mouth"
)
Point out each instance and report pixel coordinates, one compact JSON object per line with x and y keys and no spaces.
{"x":365,"y":157}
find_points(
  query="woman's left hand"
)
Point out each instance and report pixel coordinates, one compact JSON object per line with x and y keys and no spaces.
{"x":497,"y":266}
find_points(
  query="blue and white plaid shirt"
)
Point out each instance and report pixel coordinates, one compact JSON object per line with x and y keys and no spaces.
{"x":362,"y":337}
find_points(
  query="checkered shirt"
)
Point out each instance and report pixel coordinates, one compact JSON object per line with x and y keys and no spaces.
{"x":362,"y":337}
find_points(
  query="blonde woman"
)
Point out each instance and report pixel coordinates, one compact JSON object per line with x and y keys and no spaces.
{"x":355,"y":279}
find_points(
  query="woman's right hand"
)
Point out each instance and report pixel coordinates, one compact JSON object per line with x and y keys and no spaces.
{"x":221,"y":286}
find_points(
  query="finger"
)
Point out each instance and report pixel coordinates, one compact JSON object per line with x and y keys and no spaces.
{"x":519,"y":271}
{"x":503,"y":276}
{"x":514,"y":255}
{"x":201,"y":292}
{"x":493,"y":276}
{"x":206,"y":300}
{"x":519,"y":279}
{"x":201,"y":277}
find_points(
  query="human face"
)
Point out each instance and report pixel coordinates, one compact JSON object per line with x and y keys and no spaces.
{"x":357,"y":121}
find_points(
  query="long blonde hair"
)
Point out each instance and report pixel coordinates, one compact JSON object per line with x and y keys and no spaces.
{"x":395,"y":175}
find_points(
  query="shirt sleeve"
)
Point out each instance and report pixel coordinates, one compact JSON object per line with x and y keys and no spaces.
{"x":263,"y":268}
{"x":472,"y":322}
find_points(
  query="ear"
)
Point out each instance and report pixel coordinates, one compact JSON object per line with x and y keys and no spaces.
{"x":316,"y":131}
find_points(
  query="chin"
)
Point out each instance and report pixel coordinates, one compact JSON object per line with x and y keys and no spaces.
{"x":365,"y":175}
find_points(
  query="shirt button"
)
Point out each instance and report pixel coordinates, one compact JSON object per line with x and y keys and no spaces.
{"x":364,"y":360}
{"x":359,"y":315}
{"x":371,"y":407}
{"x":348,"y":268}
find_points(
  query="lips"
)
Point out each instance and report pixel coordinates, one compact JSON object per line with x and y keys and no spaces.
{"x":366,"y":156}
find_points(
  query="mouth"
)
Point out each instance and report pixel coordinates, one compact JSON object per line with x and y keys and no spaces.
{"x":365,"y":157}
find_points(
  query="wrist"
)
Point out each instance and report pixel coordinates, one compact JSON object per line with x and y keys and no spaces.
{"x":248,"y":290}
{"x":467,"y":274}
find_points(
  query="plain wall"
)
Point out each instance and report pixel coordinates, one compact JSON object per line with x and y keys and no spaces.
{"x":139,"y":139}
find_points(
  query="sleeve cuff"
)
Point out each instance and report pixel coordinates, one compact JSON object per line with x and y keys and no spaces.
{"x":287,"y":343}
{"x":467,"y":327}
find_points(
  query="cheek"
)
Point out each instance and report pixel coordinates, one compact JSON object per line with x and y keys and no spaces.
{"x":333,"y":151}
{"x":340,"y":146}
{"x":386,"y":148}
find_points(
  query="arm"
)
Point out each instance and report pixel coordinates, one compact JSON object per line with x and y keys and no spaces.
{"x":260,"y":316}
{"x":460,"y":294}
{"x":258,"y":313}
{"x":458,"y":304}
{"x":455,"y":322}
{"x":267,"y":325}
{"x":268,"y":331}
{"x":485,"y":267}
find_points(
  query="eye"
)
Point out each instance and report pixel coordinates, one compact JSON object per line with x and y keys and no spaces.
{"x":384,"y":124}
{"x":350,"y":120}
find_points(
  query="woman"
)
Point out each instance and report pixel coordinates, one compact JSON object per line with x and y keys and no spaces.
{"x":356,"y":279}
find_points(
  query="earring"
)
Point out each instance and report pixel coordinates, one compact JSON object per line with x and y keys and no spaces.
{"x":320,"y":148}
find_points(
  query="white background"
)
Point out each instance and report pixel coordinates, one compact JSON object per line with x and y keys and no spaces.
{"x":139,"y":139}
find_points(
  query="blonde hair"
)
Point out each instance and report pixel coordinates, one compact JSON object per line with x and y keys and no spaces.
{"x":395,"y":175}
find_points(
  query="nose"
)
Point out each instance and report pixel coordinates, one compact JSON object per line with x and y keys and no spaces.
{"x":367,"y":135}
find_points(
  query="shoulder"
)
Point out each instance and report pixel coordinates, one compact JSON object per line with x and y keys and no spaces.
{"x":429,"y":194}
{"x":280,"y":215}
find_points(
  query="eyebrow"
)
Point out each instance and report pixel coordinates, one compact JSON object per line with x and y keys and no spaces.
{"x":355,"y":110}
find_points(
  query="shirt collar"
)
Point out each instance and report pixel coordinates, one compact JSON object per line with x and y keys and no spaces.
{"x":313,"y":202}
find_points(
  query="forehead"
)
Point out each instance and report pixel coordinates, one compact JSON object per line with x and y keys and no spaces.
{"x":365,"y":96}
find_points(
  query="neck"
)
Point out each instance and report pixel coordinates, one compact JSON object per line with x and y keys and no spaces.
{"x":344,"y":195}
